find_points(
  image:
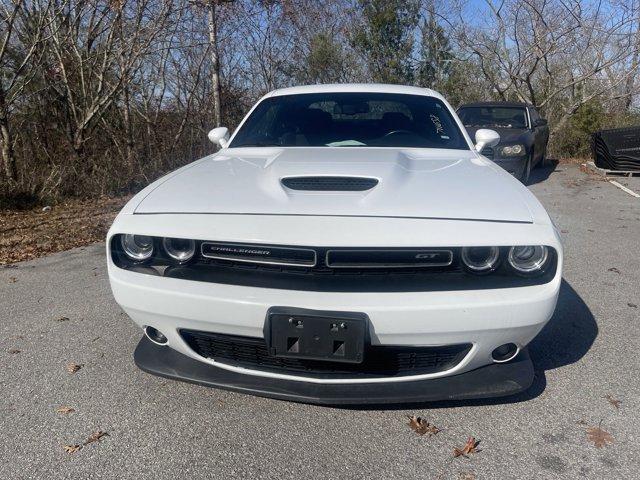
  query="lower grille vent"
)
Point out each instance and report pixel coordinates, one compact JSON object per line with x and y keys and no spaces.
{"x":379,"y":361}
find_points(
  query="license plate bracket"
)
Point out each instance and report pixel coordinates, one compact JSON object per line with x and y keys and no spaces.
{"x":315,"y":334}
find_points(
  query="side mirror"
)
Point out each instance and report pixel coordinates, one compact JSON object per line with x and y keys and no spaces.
{"x":486,"y":138}
{"x":541,"y":122}
{"x":219,"y":136}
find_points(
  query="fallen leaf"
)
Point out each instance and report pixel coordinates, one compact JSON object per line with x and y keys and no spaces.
{"x":615,"y":270}
{"x":72,"y":448}
{"x":62,"y":319}
{"x":632,"y":305}
{"x":421,"y":426}
{"x":13,"y":279}
{"x":13,"y":351}
{"x":599,"y":437}
{"x":74,"y":367}
{"x":467,"y":476}
{"x":65,"y":410}
{"x":74,"y":223}
{"x":470,"y":447}
{"x":94,"y":437}
{"x":613,"y":401}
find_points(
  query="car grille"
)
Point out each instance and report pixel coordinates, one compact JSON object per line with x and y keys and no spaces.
{"x":333,"y":269}
{"x":348,"y":270}
{"x":327,"y":184}
{"x":379,"y":361}
{"x":487,"y":152}
{"x":259,"y":255}
{"x":327,"y":258}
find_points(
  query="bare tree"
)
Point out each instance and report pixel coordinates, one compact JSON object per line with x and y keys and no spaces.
{"x":105,"y":95}
{"x":266,"y":43}
{"x":632,"y":9}
{"x":215,"y":61}
{"x":552,"y":53}
{"x":23,"y":33}
{"x":212,"y":11}
{"x":321,"y":52}
{"x":94,"y":58}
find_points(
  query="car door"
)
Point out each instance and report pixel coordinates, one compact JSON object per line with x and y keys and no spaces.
{"x":540,"y":132}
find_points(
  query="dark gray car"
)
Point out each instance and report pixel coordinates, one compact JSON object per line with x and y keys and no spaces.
{"x":523,"y":134}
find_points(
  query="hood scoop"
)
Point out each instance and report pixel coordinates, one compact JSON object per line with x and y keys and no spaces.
{"x":330,"y":184}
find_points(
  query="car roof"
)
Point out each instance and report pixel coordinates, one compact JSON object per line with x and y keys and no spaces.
{"x":355,"y":87}
{"x":496,"y":104}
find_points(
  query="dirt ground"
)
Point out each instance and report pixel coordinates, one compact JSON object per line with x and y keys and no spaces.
{"x":27,"y":234}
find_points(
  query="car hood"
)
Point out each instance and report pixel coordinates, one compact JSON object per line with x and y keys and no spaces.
{"x":416,"y":183}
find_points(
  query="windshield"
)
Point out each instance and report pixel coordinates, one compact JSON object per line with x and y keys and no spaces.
{"x":351,"y":120}
{"x":501,"y":117}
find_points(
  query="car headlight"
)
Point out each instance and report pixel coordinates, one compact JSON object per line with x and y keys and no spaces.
{"x":180,"y":249}
{"x":528,"y":259}
{"x":137,"y":247}
{"x":512,"y":150}
{"x":480,"y":259}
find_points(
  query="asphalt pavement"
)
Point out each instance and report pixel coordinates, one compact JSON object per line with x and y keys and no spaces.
{"x":59,"y":310}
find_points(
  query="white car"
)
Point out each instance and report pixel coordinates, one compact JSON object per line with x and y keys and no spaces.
{"x":347,"y":244}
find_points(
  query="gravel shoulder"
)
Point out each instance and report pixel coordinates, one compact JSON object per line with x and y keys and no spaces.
{"x":58,"y":310}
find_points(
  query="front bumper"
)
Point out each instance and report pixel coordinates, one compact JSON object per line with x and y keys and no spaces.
{"x":486,"y":319}
{"x":495,"y":380}
{"x":514,"y":165}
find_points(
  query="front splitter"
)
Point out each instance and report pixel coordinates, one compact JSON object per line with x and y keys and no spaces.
{"x":495,"y":380}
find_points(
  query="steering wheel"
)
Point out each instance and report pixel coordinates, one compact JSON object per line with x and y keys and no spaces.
{"x":395,"y":132}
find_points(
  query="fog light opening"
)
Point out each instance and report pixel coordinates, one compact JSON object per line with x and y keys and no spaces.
{"x":505,"y":352}
{"x":155,"y":335}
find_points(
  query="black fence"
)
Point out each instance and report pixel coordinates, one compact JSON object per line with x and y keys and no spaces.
{"x":617,"y":149}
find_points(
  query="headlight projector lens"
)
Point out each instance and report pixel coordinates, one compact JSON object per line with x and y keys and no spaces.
{"x":529,"y":258}
{"x":137,"y":247}
{"x":180,"y":249}
{"x":513,"y":150}
{"x":480,"y":259}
